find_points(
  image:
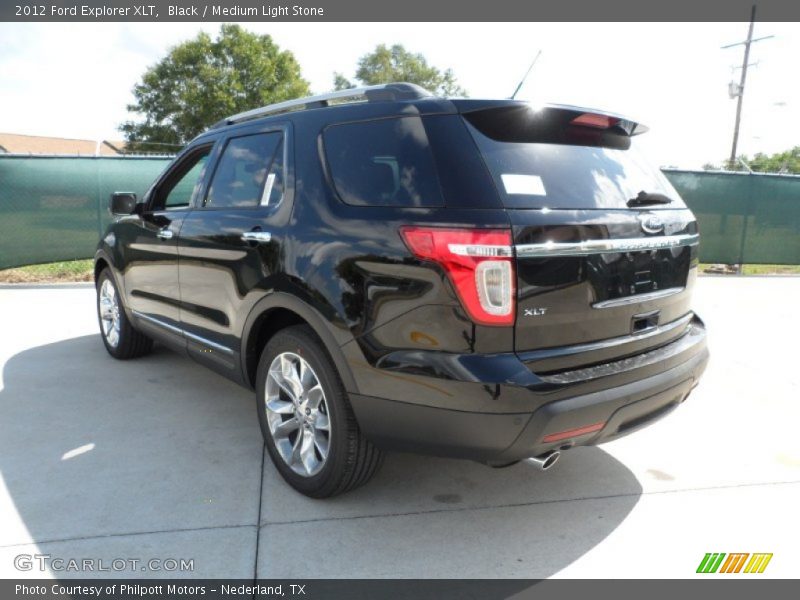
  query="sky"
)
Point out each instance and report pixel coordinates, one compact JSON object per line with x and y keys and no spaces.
{"x":75,"y":80}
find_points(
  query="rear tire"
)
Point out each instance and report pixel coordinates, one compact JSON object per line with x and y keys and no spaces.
{"x":119,"y":337}
{"x":306,"y":419}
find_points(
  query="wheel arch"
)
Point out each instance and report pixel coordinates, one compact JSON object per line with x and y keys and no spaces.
{"x":101,"y":261}
{"x":278,"y":311}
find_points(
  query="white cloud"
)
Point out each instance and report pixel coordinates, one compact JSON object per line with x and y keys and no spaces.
{"x":75,"y":79}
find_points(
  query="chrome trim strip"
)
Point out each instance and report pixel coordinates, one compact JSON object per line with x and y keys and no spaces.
{"x":636,"y":298}
{"x":606,"y":246}
{"x":183,"y":333}
{"x":534,"y":355}
{"x":150,"y":319}
{"x":480,"y":250}
{"x":209,"y":343}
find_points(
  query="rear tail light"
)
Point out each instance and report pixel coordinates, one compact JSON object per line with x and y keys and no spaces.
{"x":479,"y":263}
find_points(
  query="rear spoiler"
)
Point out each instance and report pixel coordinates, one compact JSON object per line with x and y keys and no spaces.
{"x":516,"y":121}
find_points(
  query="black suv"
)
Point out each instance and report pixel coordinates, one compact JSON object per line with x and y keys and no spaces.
{"x":389,"y":270}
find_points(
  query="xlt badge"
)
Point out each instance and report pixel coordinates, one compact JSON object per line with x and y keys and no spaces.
{"x":535,"y":312}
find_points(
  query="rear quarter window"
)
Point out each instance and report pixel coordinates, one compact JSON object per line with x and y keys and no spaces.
{"x":383,"y":162}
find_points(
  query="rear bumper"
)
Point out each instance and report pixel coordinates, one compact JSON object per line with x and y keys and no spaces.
{"x":622,"y":396}
{"x":621,"y":410}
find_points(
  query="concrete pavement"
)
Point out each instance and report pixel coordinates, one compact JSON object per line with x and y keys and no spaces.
{"x":159,"y":458}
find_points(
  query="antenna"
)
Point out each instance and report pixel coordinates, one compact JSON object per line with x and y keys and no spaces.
{"x":528,"y":72}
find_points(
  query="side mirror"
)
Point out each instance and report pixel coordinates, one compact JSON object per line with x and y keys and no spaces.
{"x":122,"y":203}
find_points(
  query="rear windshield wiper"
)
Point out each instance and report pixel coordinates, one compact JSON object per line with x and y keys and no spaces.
{"x":646,"y":199}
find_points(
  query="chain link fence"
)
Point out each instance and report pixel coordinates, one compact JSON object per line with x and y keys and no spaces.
{"x":55,"y":208}
{"x":744,"y":218}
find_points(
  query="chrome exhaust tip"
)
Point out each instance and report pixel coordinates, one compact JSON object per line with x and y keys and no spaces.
{"x":544,"y":461}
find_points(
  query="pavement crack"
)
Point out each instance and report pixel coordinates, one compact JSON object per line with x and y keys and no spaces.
{"x":258,"y":519}
{"x":125,"y":534}
{"x":522,"y":504}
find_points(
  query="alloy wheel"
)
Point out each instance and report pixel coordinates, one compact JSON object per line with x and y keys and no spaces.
{"x":109,"y":313}
{"x":297,"y":414}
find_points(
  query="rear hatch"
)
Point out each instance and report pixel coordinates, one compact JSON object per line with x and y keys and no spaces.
{"x":605,"y":248}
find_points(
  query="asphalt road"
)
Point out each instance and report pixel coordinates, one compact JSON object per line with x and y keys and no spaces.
{"x":161,"y":459}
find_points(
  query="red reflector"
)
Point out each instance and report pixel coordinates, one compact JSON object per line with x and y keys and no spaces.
{"x":571,"y":433}
{"x":594,"y":120}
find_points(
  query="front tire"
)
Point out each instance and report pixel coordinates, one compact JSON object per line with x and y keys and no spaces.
{"x":308,"y":425}
{"x":119,"y":337}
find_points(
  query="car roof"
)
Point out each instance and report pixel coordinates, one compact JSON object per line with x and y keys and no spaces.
{"x":392,"y":98}
{"x":389,"y":92}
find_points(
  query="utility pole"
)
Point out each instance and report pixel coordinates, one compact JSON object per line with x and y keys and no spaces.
{"x":740,"y":90}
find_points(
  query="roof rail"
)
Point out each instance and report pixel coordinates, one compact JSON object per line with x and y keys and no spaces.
{"x":388,"y":92}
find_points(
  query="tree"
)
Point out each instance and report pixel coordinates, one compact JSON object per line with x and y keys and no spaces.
{"x":202,"y":81}
{"x":385,"y":65}
{"x":780,"y":162}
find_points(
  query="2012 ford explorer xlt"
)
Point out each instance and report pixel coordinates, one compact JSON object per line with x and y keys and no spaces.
{"x":389,"y":270}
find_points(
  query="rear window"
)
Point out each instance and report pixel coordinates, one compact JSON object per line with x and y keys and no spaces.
{"x":384,"y":162}
{"x":535,"y":174}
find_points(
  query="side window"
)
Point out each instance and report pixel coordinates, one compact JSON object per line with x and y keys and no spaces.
{"x":176,"y":192}
{"x":247,"y":175}
{"x":385,"y":162}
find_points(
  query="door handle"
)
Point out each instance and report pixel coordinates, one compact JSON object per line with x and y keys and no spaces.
{"x":165,"y":234}
{"x":256,"y":236}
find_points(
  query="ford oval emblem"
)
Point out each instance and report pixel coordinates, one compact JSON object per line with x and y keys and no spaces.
{"x":651,"y":224}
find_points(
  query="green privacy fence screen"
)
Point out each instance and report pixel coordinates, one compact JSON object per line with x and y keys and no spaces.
{"x":743,"y":217}
{"x":55,"y":208}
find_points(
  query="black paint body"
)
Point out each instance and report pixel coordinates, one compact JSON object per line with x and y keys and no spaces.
{"x":421,"y":376}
